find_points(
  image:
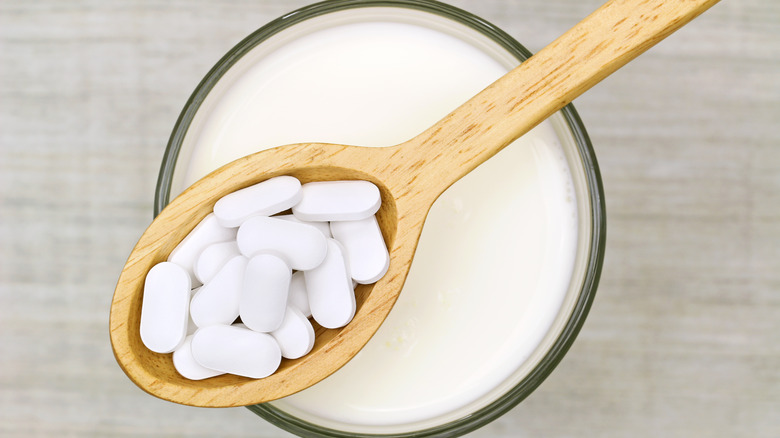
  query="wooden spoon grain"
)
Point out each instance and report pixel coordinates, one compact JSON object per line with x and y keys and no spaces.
{"x":410,"y":176}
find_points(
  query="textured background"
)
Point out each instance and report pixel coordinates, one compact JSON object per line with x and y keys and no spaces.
{"x":684,"y":336}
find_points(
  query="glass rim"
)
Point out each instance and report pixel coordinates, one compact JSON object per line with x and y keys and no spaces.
{"x":586,"y":153}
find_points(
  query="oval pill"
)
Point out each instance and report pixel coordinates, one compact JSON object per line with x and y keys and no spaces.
{"x":298,"y":297}
{"x":207,"y":232}
{"x":217,"y":302}
{"x":186,"y":365}
{"x":213,"y":258}
{"x":329,"y":286}
{"x":301,"y":246}
{"x":236,"y":350}
{"x":365,"y":248}
{"x":164,"y":307}
{"x":264,"y":297}
{"x":263,"y":199}
{"x":296,"y":335}
{"x":337,"y":201}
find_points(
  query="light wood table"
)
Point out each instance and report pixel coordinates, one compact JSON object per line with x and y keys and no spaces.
{"x":683,"y":339}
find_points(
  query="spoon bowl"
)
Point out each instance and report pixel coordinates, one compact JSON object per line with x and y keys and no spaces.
{"x":308,"y":162}
{"x":410,"y":177}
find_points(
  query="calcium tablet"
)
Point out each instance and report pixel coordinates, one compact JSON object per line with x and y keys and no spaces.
{"x":164,"y":308}
{"x":329,"y":285}
{"x":236,"y":350}
{"x":337,"y":201}
{"x":264,"y":199}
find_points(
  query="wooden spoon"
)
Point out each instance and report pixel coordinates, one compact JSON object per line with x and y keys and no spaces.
{"x":410,"y":176}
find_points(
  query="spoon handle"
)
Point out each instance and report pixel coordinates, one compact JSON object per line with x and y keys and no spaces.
{"x":604,"y":41}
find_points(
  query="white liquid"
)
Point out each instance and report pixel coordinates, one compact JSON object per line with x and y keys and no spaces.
{"x":496,"y":257}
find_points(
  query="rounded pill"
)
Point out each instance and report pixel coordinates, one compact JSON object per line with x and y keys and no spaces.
{"x":236,"y":350}
{"x":331,"y":296}
{"x":164,"y":308}
{"x":263,"y":199}
{"x":337,"y":201}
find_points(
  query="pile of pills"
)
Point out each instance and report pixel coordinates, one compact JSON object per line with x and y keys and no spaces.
{"x":236,"y":295}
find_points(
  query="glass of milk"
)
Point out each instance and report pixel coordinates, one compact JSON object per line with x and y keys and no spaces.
{"x":509,"y":257}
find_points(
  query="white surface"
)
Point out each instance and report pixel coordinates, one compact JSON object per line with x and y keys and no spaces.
{"x":191,"y":326}
{"x":263,"y":199}
{"x":298,"y":297}
{"x":683,"y":337}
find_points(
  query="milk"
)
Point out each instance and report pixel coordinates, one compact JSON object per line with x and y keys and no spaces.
{"x":493,"y":268}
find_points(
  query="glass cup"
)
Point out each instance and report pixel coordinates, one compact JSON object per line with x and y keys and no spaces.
{"x":195,"y":148}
